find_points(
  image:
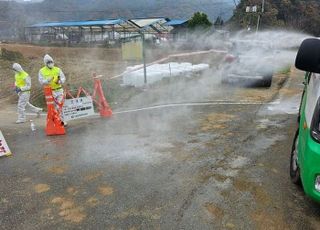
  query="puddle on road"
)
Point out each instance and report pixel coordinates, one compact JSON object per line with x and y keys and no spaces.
{"x":282,"y":106}
{"x":263,"y":142}
{"x":120,"y":150}
{"x":266,"y":123}
{"x":239,"y":162}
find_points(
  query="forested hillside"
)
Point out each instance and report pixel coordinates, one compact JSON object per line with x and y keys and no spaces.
{"x":292,"y":14}
{"x":138,"y":8}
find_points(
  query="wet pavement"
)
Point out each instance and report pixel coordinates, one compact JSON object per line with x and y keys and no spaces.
{"x":219,"y":165}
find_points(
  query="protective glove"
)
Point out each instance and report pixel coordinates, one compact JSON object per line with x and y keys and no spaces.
{"x":58,"y":80}
{"x":18,"y":90}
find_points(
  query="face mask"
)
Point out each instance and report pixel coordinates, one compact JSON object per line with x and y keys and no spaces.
{"x":50,"y":65}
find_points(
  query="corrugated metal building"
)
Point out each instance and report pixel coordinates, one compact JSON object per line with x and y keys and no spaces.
{"x":95,"y":31}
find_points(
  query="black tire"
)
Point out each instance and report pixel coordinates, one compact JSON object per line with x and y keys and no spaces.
{"x":263,"y":83}
{"x":267,"y":80}
{"x":294,"y":167}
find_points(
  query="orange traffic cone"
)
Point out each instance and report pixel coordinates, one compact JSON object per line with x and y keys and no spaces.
{"x":54,"y":123}
{"x":105,"y":109}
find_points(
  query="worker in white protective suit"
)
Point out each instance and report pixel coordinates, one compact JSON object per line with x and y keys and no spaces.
{"x":22,"y":88}
{"x":54,"y":77}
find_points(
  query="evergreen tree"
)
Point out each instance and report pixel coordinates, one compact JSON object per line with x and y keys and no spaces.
{"x":199,"y":21}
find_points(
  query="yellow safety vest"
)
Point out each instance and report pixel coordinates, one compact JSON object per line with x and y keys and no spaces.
{"x":21,"y":79}
{"x":53,"y":73}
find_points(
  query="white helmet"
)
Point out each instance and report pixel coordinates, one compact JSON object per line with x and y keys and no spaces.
{"x":47,"y":59}
{"x":17,"y":67}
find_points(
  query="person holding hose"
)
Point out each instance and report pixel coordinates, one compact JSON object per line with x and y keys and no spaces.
{"x":54,"y":77}
{"x":22,"y":88}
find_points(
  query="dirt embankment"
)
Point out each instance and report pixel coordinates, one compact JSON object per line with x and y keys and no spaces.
{"x":77,"y":63}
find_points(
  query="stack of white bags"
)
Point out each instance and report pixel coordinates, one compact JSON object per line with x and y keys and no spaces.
{"x":134,"y":75}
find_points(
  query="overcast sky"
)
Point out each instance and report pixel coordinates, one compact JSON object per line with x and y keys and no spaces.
{"x":28,"y":0}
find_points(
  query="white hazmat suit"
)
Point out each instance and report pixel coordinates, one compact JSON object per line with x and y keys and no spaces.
{"x":24,"y":96}
{"x":58,"y":94}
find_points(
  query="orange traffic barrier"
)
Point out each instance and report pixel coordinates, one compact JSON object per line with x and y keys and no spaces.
{"x":97,"y":97}
{"x":105,"y":109}
{"x":54,"y":124}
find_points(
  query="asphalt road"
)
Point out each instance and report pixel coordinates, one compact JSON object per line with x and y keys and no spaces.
{"x":223,"y":164}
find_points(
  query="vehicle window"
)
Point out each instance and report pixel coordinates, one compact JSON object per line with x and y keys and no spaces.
{"x":313,"y":93}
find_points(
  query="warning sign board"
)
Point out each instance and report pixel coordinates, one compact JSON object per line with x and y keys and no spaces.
{"x":132,"y":50}
{"x":4,"y":148}
{"x":77,"y":108}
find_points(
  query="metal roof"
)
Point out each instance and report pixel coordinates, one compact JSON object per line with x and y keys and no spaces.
{"x":107,"y":22}
{"x":151,"y":25}
{"x":176,"y":22}
{"x":143,"y":22}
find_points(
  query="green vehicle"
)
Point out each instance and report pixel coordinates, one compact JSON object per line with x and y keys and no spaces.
{"x":305,"y":154}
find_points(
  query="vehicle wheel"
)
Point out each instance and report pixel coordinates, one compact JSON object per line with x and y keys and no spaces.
{"x":294,"y":167}
{"x":267,"y":81}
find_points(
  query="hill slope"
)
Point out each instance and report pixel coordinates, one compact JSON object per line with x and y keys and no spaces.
{"x":300,"y":15}
{"x":142,"y":8}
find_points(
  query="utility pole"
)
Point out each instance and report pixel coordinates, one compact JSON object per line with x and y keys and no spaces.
{"x":251,"y":10}
{"x":260,"y":15}
{"x":144,"y":58}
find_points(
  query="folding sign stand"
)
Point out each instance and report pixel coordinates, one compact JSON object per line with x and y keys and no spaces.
{"x":4,"y":148}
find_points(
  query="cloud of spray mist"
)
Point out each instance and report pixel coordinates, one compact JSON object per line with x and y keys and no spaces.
{"x":271,"y":50}
{"x":278,"y":46}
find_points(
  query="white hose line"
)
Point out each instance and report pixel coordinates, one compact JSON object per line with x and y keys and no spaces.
{"x":186,"y":104}
{"x":193,"y":104}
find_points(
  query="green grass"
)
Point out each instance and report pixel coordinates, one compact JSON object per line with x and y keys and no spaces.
{"x":285,"y":70}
